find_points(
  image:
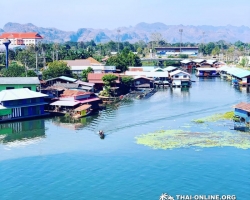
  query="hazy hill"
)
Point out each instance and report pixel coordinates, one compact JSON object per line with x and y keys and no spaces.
{"x":141,"y":31}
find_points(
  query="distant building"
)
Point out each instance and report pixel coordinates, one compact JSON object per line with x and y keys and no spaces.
{"x":20,"y":104}
{"x":7,"y":83}
{"x":22,"y":38}
{"x":167,"y":51}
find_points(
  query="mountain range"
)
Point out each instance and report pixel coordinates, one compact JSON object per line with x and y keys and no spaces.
{"x":142,"y":31}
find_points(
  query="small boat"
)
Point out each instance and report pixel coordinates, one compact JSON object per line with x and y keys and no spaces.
{"x":82,"y":111}
{"x":101,"y":134}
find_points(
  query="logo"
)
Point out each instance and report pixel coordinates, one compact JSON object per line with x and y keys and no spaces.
{"x":165,"y":196}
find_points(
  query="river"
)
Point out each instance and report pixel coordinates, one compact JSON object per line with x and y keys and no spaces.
{"x":55,"y":159}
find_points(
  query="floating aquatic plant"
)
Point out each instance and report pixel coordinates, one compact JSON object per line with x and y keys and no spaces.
{"x":216,"y":117}
{"x":170,"y":139}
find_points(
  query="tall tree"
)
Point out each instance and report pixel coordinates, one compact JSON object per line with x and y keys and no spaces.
{"x":85,"y":73}
{"x":56,"y":69}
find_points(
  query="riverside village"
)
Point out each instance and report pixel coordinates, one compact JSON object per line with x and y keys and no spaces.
{"x":78,"y":87}
{"x":125,"y":100}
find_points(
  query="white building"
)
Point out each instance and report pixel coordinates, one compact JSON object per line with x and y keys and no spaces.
{"x":21,"y":38}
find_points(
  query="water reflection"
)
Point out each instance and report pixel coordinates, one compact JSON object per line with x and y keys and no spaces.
{"x":17,"y":131}
{"x":71,"y":123}
{"x":181,"y":92}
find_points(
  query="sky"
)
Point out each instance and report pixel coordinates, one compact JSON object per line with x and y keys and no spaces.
{"x":70,"y":15}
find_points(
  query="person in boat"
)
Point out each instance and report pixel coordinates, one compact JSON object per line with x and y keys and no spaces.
{"x":101,"y":133}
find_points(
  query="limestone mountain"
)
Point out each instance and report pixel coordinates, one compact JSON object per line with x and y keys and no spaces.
{"x":142,"y":31}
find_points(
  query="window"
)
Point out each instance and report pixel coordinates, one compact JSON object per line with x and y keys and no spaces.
{"x":9,"y":88}
{"x":185,"y":76}
{"x":176,"y":76}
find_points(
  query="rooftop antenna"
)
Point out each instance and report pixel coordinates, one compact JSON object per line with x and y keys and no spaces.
{"x":6,"y":42}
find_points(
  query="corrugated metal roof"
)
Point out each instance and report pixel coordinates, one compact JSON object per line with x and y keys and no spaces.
{"x":157,"y":69}
{"x":83,"y":107}
{"x":211,"y":62}
{"x":177,"y":72}
{"x":238,"y":72}
{"x":22,"y":93}
{"x":198,"y":60}
{"x":147,"y":74}
{"x":68,"y":78}
{"x":64,"y":103}
{"x":207,"y":69}
{"x":85,"y":83}
{"x":170,"y":68}
{"x":243,"y":106}
{"x":186,"y":61}
{"x":19,"y":80}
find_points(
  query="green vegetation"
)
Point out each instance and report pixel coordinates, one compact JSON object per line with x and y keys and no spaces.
{"x":55,"y":69}
{"x":109,"y":80}
{"x":171,"y":139}
{"x":216,"y":117}
{"x":16,"y":70}
{"x":85,"y":73}
{"x":124,"y":59}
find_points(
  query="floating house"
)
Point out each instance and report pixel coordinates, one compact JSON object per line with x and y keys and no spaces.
{"x":21,"y":104}
{"x":198,"y":62}
{"x":187,"y":64}
{"x":142,"y":82}
{"x":239,"y":76}
{"x":61,"y":79}
{"x":7,"y":83}
{"x":207,"y":72}
{"x":223,"y":71}
{"x":54,"y":87}
{"x":180,"y":79}
{"x":82,"y":111}
{"x":72,"y":99}
{"x":242,"y":111}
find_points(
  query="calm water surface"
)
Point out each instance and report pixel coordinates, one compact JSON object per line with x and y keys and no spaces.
{"x":53,"y":159}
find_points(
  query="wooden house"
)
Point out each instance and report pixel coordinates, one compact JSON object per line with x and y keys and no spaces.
{"x":242,"y":111}
{"x":180,"y":79}
{"x":96,"y":78}
{"x":187,"y":64}
{"x":142,"y":82}
{"x":71,"y":99}
{"x":198,"y":62}
{"x":21,"y":104}
{"x":207,"y":72}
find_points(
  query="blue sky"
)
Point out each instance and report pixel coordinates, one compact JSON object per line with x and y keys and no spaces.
{"x":69,"y":15}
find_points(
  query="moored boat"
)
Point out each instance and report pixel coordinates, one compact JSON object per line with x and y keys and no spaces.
{"x":82,"y":111}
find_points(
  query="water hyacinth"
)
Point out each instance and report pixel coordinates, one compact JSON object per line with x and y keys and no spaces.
{"x":216,"y":117}
{"x":171,"y":139}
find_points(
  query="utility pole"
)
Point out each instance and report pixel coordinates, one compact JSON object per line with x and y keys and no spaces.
{"x":25,"y":66}
{"x":36,"y":61}
{"x":118,"y":31}
{"x":181,"y":31}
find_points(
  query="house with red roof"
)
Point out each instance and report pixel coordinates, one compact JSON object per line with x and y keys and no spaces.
{"x":30,"y":38}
